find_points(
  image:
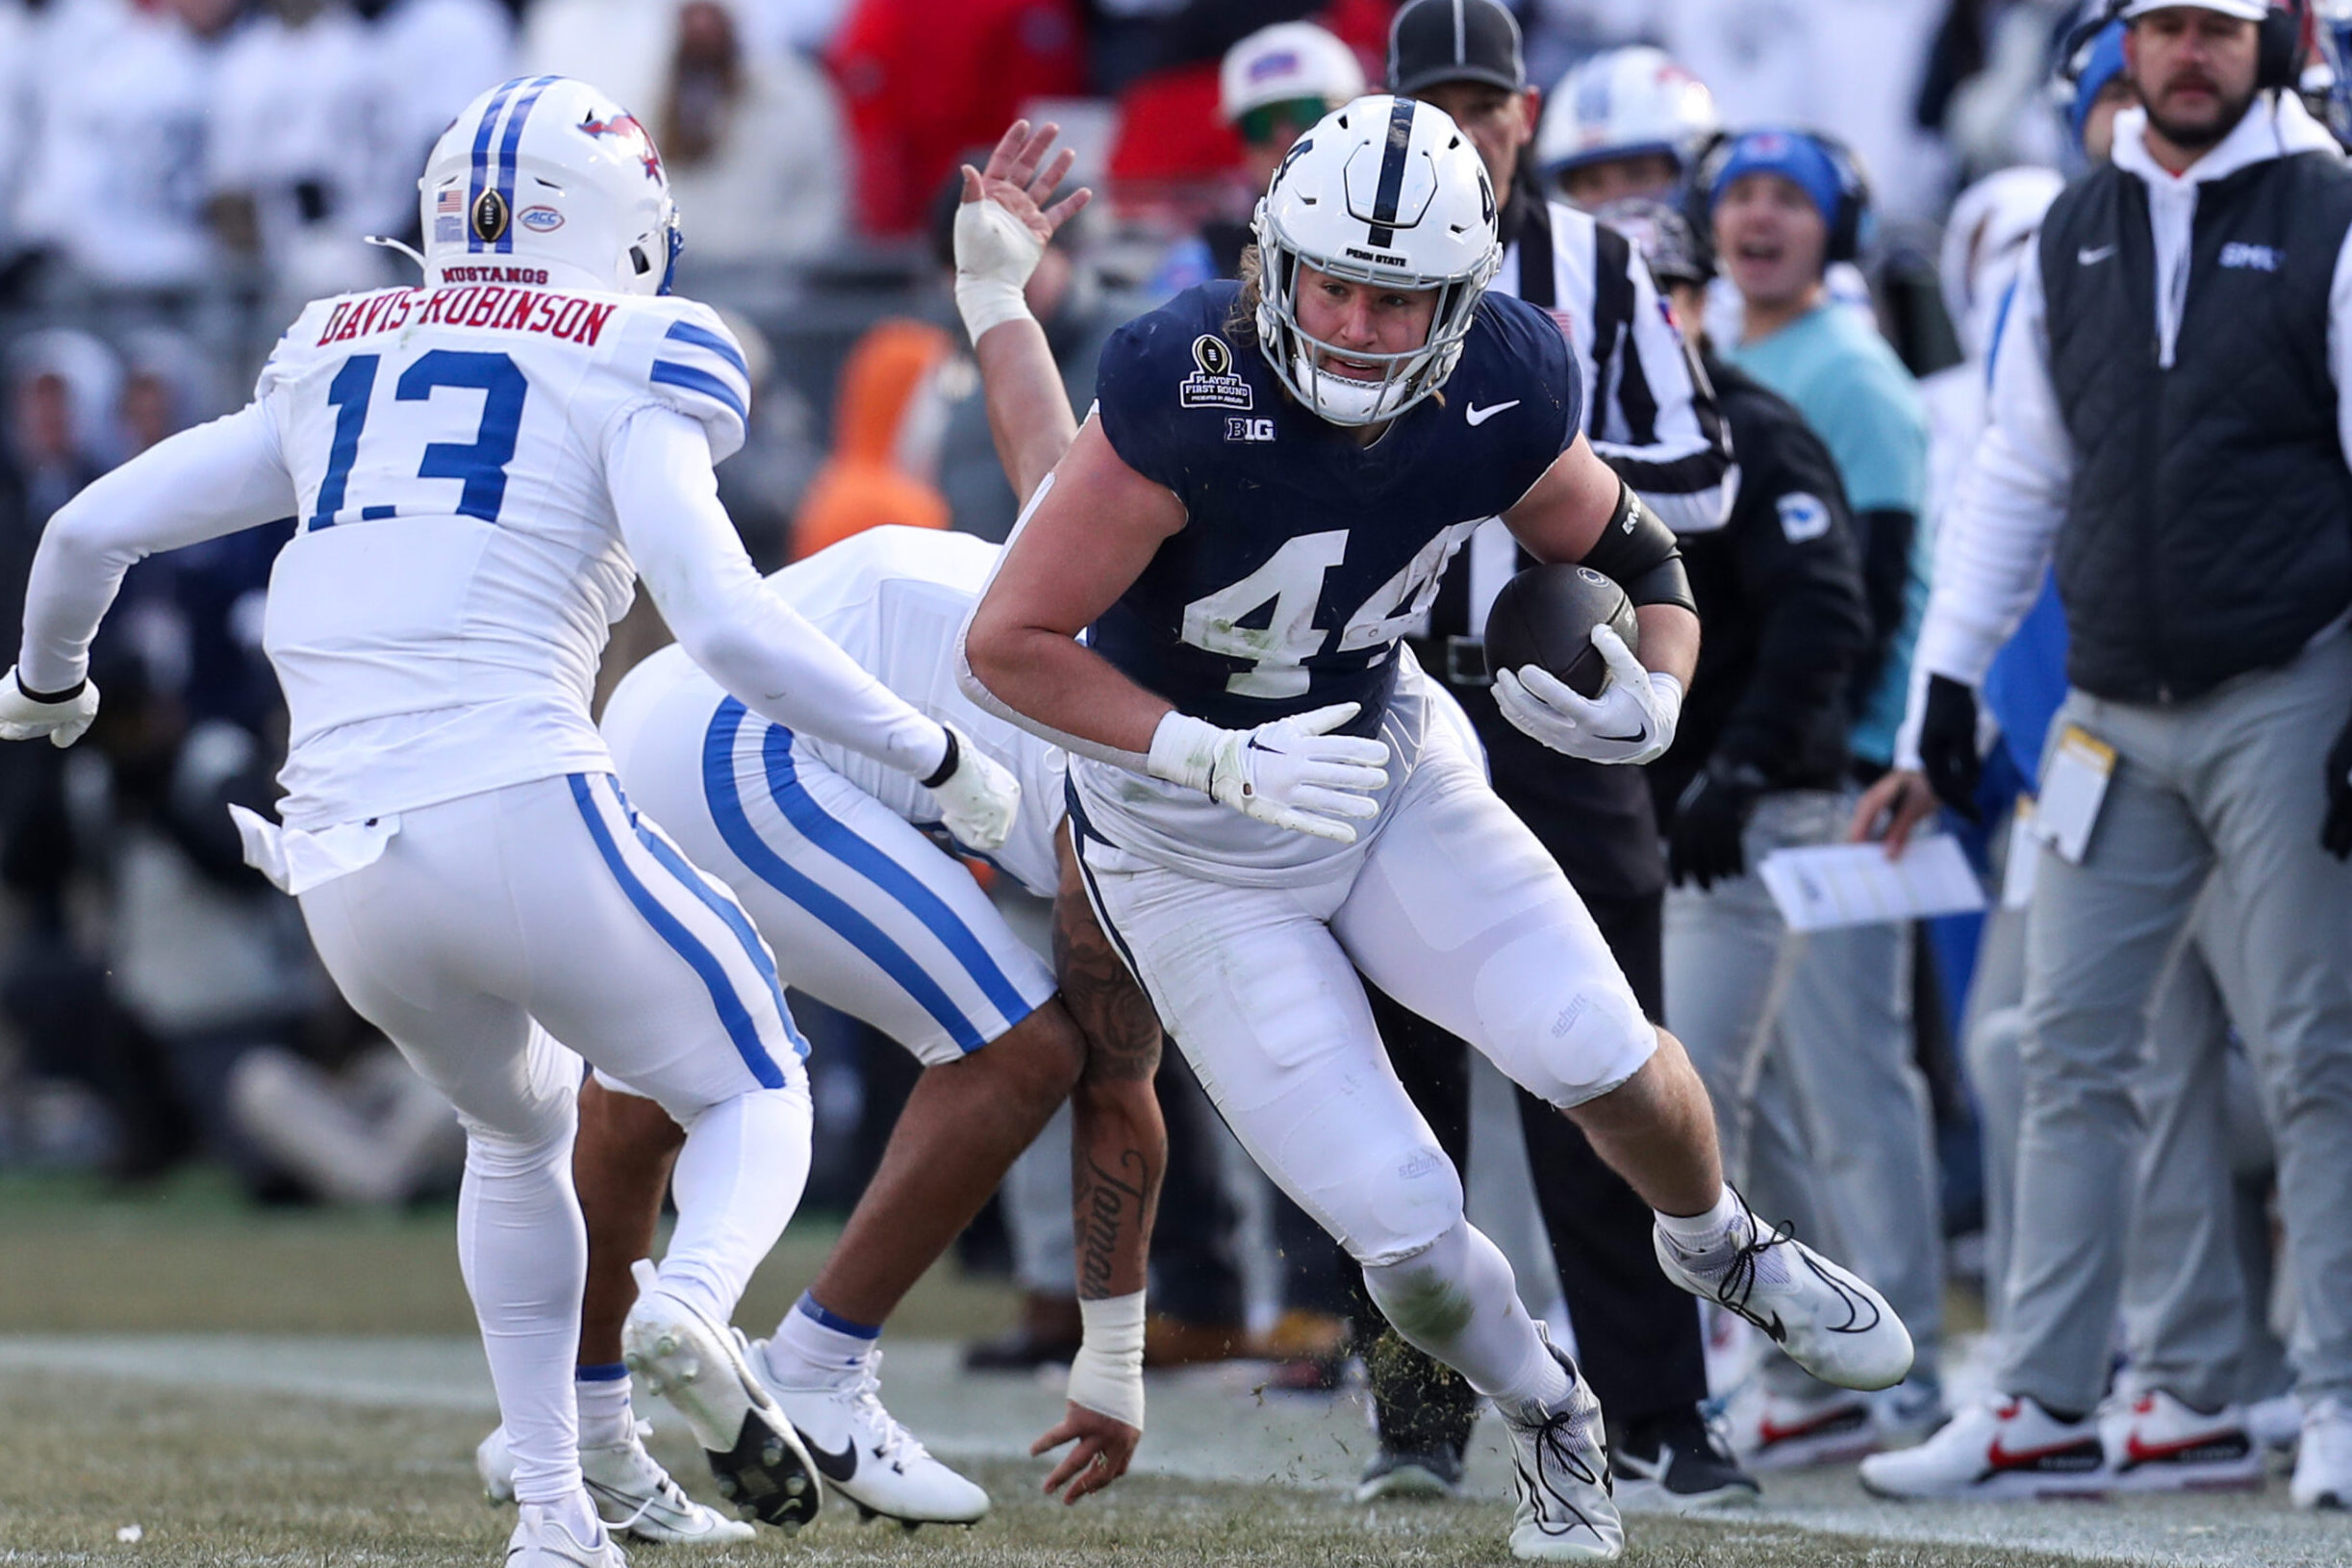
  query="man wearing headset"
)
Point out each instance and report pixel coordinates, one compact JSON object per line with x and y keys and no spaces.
{"x":1818,"y":1094}
{"x":2168,"y":424}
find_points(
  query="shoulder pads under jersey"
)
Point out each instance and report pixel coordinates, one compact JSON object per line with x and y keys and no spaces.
{"x":679,"y":353}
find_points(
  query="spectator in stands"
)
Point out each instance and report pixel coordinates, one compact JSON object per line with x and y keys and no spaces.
{"x":2194,"y":741}
{"x":887,"y":424}
{"x":1625,"y":124}
{"x":723,"y":114}
{"x":1271,"y":87}
{"x":623,"y":46}
{"x":924,"y":80}
{"x":1826,"y":1110}
{"x":114,"y":186}
{"x":432,"y":58}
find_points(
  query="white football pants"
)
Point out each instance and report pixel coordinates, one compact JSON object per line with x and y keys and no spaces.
{"x":493,"y":920}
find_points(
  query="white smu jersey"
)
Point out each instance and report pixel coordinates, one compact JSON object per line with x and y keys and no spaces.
{"x":894,"y":599}
{"x":437,"y":620}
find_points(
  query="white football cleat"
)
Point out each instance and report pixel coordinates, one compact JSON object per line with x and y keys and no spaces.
{"x":542,"y":1540}
{"x":699,"y":1366}
{"x":1779,"y":1432}
{"x":633,"y":1494}
{"x":863,"y":1451}
{"x":2323,"y":1463}
{"x":1563,"y":1507}
{"x":2000,"y":1448}
{"x":1825,"y":1320}
{"x":2157,"y":1444}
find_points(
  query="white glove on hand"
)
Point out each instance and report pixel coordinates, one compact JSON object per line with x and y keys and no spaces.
{"x":981,"y":800}
{"x":1292,"y":774}
{"x":1632,"y":720}
{"x":21,"y":719}
{"x":995,"y":254}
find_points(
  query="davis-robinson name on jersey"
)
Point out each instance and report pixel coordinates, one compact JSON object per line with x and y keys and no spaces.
{"x":572,"y":317}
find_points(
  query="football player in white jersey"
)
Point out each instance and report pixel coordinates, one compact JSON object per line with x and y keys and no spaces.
{"x":479,"y":468}
{"x":827,"y":851}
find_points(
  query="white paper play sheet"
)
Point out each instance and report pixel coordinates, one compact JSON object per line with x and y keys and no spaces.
{"x":1856,"y":884}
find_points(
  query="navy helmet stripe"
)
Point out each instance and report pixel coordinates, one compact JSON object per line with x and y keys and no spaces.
{"x":1392,"y":173}
{"x":482,"y":133}
{"x":506,"y":153}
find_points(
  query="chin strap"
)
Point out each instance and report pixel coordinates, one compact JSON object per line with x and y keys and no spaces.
{"x":388,"y":243}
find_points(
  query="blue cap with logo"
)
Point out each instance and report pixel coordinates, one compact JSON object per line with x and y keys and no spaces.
{"x":1794,"y":157}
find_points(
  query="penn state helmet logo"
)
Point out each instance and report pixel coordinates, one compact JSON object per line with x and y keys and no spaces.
{"x":490,"y":215}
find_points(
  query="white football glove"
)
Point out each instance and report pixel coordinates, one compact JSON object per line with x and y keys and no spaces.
{"x":981,"y":800}
{"x":995,"y":254}
{"x":1292,"y":774}
{"x":21,"y":719}
{"x":1632,"y":720}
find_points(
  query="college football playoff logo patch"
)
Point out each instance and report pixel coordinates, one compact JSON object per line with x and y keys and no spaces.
{"x":489,"y":216}
{"x":1213,"y":384}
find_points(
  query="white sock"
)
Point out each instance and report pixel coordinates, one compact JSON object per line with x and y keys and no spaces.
{"x":1699,"y":1235}
{"x":814,"y":1347}
{"x":1458,"y":1301}
{"x":523,"y":1252}
{"x":737,"y":1182}
{"x":606,"y":1418}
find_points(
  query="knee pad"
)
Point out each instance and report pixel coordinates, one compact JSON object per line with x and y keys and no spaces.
{"x":1400,"y":1210}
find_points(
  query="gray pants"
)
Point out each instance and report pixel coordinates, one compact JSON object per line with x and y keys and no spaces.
{"x":1805,"y":1046}
{"x":2228,"y":786}
{"x":2197,"y":1267}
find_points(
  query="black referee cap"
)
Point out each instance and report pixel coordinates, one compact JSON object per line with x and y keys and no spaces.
{"x":1454,"y":41}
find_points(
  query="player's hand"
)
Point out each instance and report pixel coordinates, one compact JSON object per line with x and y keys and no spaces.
{"x":1705,"y":844}
{"x":2336,"y":832}
{"x":1892,"y":809}
{"x":1948,"y":752}
{"x":1632,"y":720}
{"x":1003,"y":225}
{"x":65,"y":719}
{"x":1296,"y":773}
{"x":1105,"y":1447}
{"x":980,"y":800}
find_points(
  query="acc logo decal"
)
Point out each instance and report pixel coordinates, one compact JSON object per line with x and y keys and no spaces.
{"x":490,"y":215}
{"x":1803,"y":517}
{"x":540,"y":219}
{"x":1214,"y":385}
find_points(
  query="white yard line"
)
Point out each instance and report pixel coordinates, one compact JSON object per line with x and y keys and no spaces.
{"x":1210,"y":1426}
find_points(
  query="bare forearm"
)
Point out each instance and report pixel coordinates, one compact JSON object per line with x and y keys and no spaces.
{"x":1669,"y":640}
{"x":1028,"y":409}
{"x":1053,"y":686}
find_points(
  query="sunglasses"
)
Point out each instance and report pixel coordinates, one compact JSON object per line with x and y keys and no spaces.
{"x":1264,"y":122}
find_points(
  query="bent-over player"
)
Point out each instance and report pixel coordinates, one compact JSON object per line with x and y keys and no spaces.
{"x":480,"y":468}
{"x":1264,"y":496}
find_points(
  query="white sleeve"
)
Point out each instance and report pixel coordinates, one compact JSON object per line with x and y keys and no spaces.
{"x":1676,"y":455}
{"x":200,"y":484}
{"x":1993,"y":545}
{"x":657,"y":461}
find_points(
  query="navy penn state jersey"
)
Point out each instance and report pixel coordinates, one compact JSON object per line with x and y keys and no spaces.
{"x":1305,"y":557}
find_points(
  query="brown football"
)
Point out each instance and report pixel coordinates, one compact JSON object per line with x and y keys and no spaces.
{"x":1545,"y":615}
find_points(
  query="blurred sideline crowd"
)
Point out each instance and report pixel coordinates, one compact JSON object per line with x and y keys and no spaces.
{"x":178,"y":176}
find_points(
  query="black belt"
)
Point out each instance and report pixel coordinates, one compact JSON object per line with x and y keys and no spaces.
{"x":1457,"y":661}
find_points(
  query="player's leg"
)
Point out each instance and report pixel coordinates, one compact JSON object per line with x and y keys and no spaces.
{"x":1257,"y":993}
{"x":421,"y":943}
{"x":654,"y":973}
{"x":1459,"y":914}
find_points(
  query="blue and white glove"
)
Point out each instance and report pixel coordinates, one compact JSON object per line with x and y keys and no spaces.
{"x":64,"y":719}
{"x":979,"y":799}
{"x":1291,"y":774}
{"x":1632,"y":720}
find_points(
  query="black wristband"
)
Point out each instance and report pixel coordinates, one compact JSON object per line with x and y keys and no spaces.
{"x":66,"y":696}
{"x":947,"y":764}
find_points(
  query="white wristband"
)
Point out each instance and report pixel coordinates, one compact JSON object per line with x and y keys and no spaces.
{"x":988,"y":302}
{"x":1107,"y":1374}
{"x":1184,"y":750}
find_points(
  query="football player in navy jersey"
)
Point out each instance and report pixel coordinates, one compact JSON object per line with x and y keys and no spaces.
{"x":1264,"y":801}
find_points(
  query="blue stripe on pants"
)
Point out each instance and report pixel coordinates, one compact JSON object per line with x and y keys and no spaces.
{"x":740,"y":1028}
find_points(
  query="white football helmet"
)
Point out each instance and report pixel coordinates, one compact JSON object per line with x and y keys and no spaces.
{"x":549,"y":172}
{"x":1385,"y":191}
{"x":1622,"y":103}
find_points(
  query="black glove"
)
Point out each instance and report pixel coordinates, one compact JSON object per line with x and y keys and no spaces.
{"x":1947,"y":746}
{"x":2336,"y":832}
{"x":1704,"y":844}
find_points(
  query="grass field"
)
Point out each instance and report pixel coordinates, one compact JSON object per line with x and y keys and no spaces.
{"x":304,"y":1389}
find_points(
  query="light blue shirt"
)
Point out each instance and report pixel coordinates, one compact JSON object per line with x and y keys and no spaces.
{"x":1845,"y":379}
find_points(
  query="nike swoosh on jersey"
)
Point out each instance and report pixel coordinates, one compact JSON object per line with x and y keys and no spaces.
{"x":2088,"y":257}
{"x":1475,"y":416}
{"x":836,"y":1468}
